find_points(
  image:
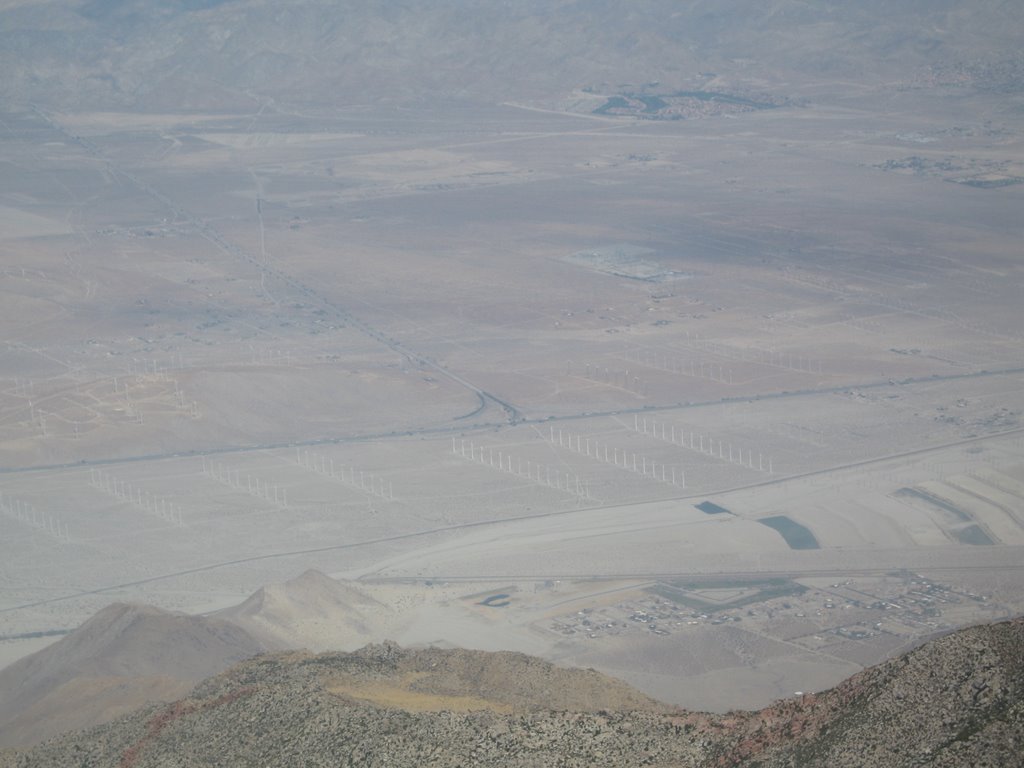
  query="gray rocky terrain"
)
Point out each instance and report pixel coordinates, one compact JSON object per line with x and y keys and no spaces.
{"x":953,"y":702}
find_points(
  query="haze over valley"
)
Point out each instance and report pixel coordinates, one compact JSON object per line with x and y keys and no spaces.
{"x":678,"y":341}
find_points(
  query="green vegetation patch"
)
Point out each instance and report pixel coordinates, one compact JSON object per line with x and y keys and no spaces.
{"x":683,"y":104}
{"x":973,"y":534}
{"x":499,"y":600}
{"x":942,"y":504}
{"x":710,"y":508}
{"x":797,"y":536}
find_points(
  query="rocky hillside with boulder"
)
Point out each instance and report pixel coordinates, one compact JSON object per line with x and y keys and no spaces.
{"x":954,"y":702}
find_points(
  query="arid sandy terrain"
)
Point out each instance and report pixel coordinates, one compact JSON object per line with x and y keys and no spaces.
{"x":485,"y":365}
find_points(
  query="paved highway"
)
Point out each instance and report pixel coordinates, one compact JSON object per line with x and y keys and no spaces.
{"x":459,"y":425}
{"x":488,"y":523}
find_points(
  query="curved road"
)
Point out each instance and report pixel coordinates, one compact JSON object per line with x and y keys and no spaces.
{"x":449,"y":428}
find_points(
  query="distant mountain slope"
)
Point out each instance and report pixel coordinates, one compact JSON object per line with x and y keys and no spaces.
{"x":196,"y":53}
{"x":119,"y":659}
{"x":309,"y":611}
{"x":128,"y":655}
{"x":954,"y":702}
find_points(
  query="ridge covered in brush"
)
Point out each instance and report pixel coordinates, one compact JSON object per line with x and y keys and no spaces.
{"x":955,"y":701}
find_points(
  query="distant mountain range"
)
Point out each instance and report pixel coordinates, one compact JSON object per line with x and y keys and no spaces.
{"x":956,"y":701}
{"x":204,"y":54}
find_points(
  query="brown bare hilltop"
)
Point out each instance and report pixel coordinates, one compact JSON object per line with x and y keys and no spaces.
{"x":123,"y":657}
{"x":130,"y":655}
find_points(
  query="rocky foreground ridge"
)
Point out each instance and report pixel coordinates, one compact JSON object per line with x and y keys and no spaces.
{"x":956,"y":701}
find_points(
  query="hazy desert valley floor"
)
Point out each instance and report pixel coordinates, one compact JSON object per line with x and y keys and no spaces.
{"x":727,"y":407}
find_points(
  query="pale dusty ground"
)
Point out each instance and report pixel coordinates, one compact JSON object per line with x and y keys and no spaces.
{"x":267,"y":345}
